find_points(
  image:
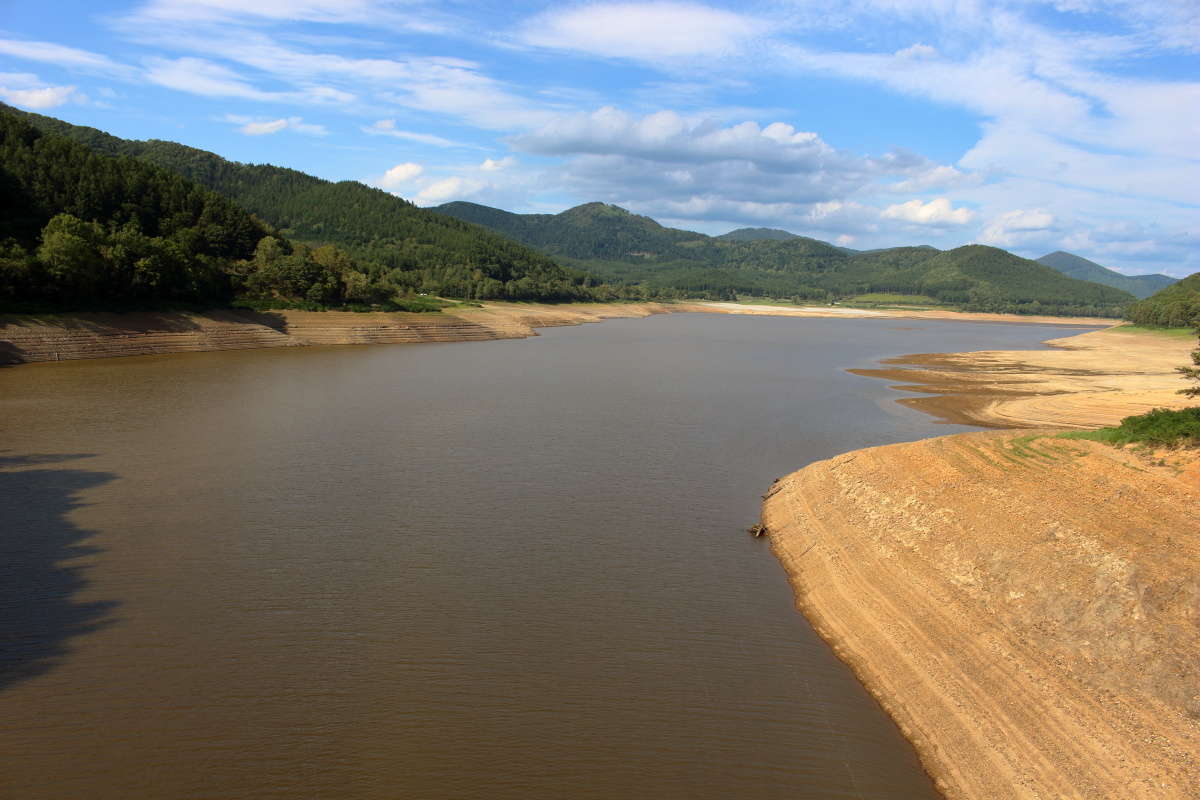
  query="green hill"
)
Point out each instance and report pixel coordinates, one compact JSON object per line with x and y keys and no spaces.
{"x":619,"y":246}
{"x":393,"y":240}
{"x":82,"y":230}
{"x":756,"y":234}
{"x":1176,"y":306}
{"x":1139,"y":286}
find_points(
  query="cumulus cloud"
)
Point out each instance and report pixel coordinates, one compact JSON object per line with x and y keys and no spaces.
{"x":28,"y":91}
{"x":653,"y":31}
{"x":453,"y":188}
{"x":497,"y":164}
{"x":1015,"y":227}
{"x":937,"y":212}
{"x":399,"y":175}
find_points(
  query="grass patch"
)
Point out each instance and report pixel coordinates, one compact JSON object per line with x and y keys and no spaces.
{"x":895,"y":299}
{"x":1175,"y":333}
{"x":1160,"y":427}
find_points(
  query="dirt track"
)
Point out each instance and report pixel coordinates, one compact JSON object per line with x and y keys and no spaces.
{"x":1084,"y":381}
{"x":1026,"y":607}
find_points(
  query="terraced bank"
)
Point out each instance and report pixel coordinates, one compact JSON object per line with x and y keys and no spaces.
{"x":1026,"y":607}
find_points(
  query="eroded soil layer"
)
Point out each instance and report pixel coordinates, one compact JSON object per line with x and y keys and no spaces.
{"x":1026,"y":607}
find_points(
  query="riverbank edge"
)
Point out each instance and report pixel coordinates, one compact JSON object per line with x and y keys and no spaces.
{"x":1029,"y":638}
{"x":68,"y":337}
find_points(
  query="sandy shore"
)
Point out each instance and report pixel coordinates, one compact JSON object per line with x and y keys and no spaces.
{"x":67,"y":337}
{"x":73,"y":336}
{"x":1027,"y":608}
{"x":1084,"y":381}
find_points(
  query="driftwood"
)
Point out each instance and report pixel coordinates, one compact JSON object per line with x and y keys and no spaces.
{"x":757,"y":530}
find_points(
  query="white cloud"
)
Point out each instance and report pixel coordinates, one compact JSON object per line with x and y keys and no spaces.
{"x":496,"y":164}
{"x":652,"y":31}
{"x":209,"y":79}
{"x":28,"y":91}
{"x":936,"y":212}
{"x":447,"y":189}
{"x":253,"y":127}
{"x":378,"y":13}
{"x":1015,"y":227}
{"x":63,"y":56}
{"x":387,"y":127}
{"x":399,"y":175}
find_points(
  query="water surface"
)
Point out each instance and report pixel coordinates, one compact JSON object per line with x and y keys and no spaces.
{"x":511,"y":569}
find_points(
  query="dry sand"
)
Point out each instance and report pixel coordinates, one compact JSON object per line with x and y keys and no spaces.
{"x":1027,"y":608}
{"x":1084,"y":381}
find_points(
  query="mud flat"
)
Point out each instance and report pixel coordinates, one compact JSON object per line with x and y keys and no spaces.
{"x":1085,"y":381}
{"x":101,"y":335}
{"x":1026,"y":607}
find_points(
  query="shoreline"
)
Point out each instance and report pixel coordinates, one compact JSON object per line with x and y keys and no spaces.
{"x":66,"y":337}
{"x":1031,"y":637}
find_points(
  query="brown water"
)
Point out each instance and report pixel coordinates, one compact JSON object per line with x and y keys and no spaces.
{"x":509,"y":569}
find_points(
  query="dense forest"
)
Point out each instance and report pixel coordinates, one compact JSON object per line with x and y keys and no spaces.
{"x":83,"y":230}
{"x":1177,"y":306}
{"x":1140,"y":286}
{"x":397,"y":245}
{"x":619,"y":246}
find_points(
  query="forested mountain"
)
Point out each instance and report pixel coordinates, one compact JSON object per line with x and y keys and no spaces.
{"x":1139,"y":286}
{"x":619,"y":246}
{"x":392,"y":240}
{"x":757,"y":234}
{"x":1176,"y":306}
{"x":83,"y":230}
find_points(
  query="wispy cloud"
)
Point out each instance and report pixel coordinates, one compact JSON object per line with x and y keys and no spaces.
{"x":387,"y":127}
{"x":264,"y":127}
{"x":63,"y":56}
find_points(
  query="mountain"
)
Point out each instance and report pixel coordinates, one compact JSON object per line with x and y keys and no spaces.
{"x":1177,"y":306}
{"x":756,"y":234}
{"x":1139,"y":286}
{"x":620,"y":246}
{"x":393,"y":240}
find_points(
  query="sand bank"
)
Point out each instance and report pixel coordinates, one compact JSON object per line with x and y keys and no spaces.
{"x":1026,"y":607}
{"x":1084,"y":381}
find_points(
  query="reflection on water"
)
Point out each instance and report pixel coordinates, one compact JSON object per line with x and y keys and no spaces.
{"x":505,"y":570}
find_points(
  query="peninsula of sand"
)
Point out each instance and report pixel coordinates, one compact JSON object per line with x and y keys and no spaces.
{"x":1025,"y":606}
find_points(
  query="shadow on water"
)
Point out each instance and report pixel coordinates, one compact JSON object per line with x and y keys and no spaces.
{"x":38,"y":614}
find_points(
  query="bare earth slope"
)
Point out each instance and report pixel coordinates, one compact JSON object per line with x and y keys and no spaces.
{"x":72,"y":336}
{"x":1026,"y":607}
{"x":1085,"y":381}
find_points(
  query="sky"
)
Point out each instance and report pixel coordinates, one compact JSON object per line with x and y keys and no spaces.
{"x":1029,"y":125}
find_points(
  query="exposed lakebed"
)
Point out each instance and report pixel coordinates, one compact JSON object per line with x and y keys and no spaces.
{"x":507,"y":569}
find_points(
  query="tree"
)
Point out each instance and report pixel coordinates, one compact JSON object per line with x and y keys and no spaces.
{"x":1192,"y":373}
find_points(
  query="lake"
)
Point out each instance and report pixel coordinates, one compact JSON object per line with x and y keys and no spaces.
{"x":512,"y":569}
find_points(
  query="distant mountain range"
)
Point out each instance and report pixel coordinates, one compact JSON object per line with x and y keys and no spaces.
{"x":1139,"y":286}
{"x":616,"y":245}
{"x":593,"y":251}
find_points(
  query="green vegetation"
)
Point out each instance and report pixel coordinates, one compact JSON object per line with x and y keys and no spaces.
{"x":1176,"y":306}
{"x":401,"y":249}
{"x":757,"y":235}
{"x":1140,"y":286}
{"x":885,"y":299}
{"x":1177,"y":333}
{"x":622,"y":247}
{"x":1160,"y":428}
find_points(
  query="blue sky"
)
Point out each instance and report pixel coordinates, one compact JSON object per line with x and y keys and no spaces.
{"x":1034,"y":126}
